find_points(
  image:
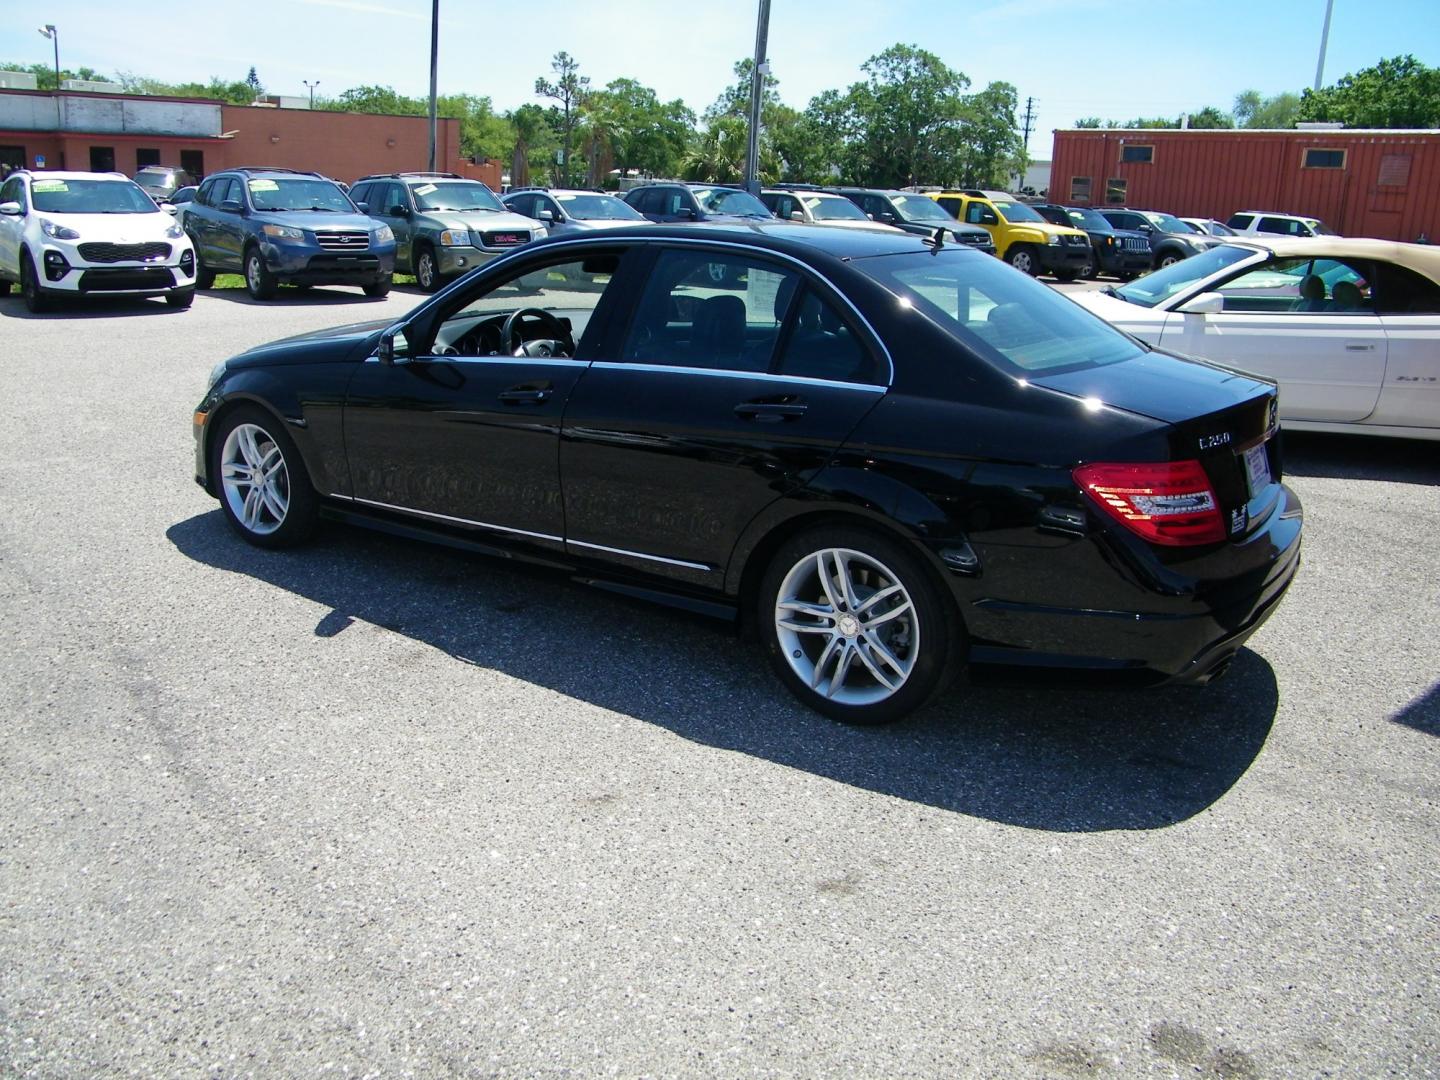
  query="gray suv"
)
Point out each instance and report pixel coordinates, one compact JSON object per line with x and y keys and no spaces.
{"x":444,"y":224}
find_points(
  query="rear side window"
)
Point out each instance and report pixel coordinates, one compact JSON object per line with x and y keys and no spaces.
{"x":1240,"y":221}
{"x":1284,"y":226}
{"x":1007,"y":318}
{"x":1300,"y":287}
{"x":1404,"y":292}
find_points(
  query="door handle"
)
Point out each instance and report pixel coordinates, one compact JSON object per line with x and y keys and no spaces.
{"x":1359,"y":348}
{"x":770,"y":410}
{"x":526,"y":395}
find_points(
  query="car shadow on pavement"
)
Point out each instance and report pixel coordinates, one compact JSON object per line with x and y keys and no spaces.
{"x":1052,"y":758}
{"x":1362,"y":457}
{"x":1422,"y":714}
{"x":320,"y":296}
{"x":105,"y":307}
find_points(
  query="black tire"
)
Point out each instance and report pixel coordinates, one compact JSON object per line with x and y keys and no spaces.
{"x":181,"y":298}
{"x":1023,"y":258}
{"x":379,"y":288}
{"x":1091,"y":270}
{"x":204,"y":279}
{"x":929,"y":639}
{"x":260,"y":283}
{"x":301,"y":507}
{"x":35,"y":299}
{"x":1127,"y":275}
{"x":427,"y":268}
{"x":4,"y":287}
{"x":1167,"y":258}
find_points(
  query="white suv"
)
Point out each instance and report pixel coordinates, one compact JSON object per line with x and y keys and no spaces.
{"x":1266,"y":223}
{"x":66,"y":234}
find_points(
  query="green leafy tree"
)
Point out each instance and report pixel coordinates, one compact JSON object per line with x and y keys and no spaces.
{"x":376,"y":99}
{"x":536,"y":141}
{"x":570,"y":89}
{"x":1211,"y":117}
{"x":1251,"y":110}
{"x":1400,"y":92}
{"x":908,"y":111}
{"x":643,"y":133}
{"x":252,"y":80}
{"x":734,"y":100}
{"x":718,"y":154}
{"x":992,"y":149}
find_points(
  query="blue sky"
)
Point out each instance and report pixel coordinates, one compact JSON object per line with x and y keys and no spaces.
{"x":1109,"y":58}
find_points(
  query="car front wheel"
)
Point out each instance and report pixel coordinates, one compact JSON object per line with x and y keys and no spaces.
{"x":1023,"y":259}
{"x":1168,"y":259}
{"x":427,"y":273}
{"x":264,"y":489}
{"x":259,"y":281}
{"x":854,"y":626}
{"x":35,"y":299}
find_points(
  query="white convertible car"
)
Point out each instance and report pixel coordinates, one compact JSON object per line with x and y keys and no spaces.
{"x":1349,"y":328}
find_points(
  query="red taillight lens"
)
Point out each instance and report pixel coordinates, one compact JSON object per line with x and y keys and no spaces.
{"x":1165,"y":502}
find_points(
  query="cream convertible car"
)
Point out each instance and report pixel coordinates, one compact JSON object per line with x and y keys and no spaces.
{"x":1349,"y":328}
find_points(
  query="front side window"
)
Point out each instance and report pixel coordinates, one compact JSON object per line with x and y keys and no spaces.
{"x":55,"y":196}
{"x":453,"y":195}
{"x":13,"y":190}
{"x":267,"y":193}
{"x":710,"y":310}
{"x":360,"y":193}
{"x":561,"y":298}
{"x":1300,"y":287}
{"x":1009,"y":319}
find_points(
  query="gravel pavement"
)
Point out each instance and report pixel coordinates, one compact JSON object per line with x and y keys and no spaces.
{"x":370,"y":808}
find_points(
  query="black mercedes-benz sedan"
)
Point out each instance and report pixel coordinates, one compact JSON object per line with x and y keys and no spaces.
{"x":893,"y":458}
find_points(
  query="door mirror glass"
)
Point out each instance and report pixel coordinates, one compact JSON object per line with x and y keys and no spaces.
{"x":10,"y":208}
{"x":393,"y":348}
{"x":231,"y":206}
{"x":546,"y":215}
{"x":399,"y":211}
{"x":363,"y":207}
{"x":796,"y":215}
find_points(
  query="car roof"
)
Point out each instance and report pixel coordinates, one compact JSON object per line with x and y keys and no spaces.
{"x":1422,"y":258}
{"x":72,"y":174}
{"x":790,"y":238}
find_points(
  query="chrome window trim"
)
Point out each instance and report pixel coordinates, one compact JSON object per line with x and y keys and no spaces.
{"x":614,"y":238}
{"x":736,"y":373}
{"x":523,"y":532}
{"x":536,"y":361}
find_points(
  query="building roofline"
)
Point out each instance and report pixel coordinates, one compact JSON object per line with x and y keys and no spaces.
{"x":263,"y":109}
{"x":1313,"y":132}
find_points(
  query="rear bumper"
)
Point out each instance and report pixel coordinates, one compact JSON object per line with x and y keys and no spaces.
{"x":1181,"y":639}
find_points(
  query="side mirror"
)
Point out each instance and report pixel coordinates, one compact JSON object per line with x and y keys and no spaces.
{"x":870,"y":216}
{"x":888,"y":219}
{"x":392,"y":347}
{"x":363,"y":207}
{"x":170,"y":208}
{"x":545,"y":215}
{"x":796,"y":215}
{"x":1207,"y":303}
{"x":687,"y":213}
{"x":11,"y":208}
{"x":1147,"y":228}
{"x":231,"y":206}
{"x":398,"y":211}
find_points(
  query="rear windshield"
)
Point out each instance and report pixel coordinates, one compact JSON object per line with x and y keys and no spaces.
{"x":55,"y":196}
{"x":1008,"y":318}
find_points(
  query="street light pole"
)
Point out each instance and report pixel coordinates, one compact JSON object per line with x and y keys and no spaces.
{"x":1324,"y":42}
{"x":757,"y":97}
{"x":311,"y":87}
{"x":49,"y":31}
{"x":434,"y":72}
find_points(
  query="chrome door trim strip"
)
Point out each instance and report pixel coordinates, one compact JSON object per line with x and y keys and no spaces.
{"x":732,"y":373}
{"x":447,"y":517}
{"x":638,"y":555}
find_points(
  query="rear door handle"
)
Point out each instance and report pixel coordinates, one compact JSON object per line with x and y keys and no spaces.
{"x":769,"y":410}
{"x":1359,"y":348}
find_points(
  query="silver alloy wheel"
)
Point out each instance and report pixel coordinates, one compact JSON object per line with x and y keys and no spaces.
{"x":847,"y":626}
{"x":252,"y":273}
{"x":1168,"y":260}
{"x":1023,"y":261}
{"x":425,"y":270}
{"x":254,"y":479}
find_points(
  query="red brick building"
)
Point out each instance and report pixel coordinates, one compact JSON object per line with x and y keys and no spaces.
{"x":1377,"y":183}
{"x":125,"y":132}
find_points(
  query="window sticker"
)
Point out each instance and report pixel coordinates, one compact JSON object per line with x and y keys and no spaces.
{"x":424,"y":189}
{"x":761,"y":288}
{"x":49,"y":185}
{"x":264,"y":185}
{"x":564,"y":198}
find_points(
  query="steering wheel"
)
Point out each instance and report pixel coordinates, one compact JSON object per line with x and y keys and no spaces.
{"x":512,"y":339}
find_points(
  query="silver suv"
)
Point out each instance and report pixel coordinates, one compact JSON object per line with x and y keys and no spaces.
{"x":444,"y":224}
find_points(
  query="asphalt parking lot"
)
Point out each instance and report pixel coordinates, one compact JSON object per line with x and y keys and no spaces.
{"x":372,"y":809}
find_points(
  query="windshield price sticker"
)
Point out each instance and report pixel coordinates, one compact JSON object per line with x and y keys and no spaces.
{"x":264,"y":185}
{"x":1257,"y":464}
{"x":564,"y":198}
{"x":49,"y":185}
{"x":425,"y":189}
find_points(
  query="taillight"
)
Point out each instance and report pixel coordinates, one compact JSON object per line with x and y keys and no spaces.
{"x":1165,"y":502}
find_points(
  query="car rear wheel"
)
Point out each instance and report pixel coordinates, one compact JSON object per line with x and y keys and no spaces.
{"x":427,"y":271}
{"x":1022,"y":258}
{"x":35,"y":299}
{"x":264,"y":489}
{"x":854,"y":626}
{"x":1091,"y":270}
{"x":379,"y":288}
{"x":259,"y":281}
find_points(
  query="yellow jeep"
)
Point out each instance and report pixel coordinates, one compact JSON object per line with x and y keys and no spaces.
{"x":1022,"y":237}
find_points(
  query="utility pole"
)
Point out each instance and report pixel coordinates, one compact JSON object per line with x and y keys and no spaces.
{"x":434,"y":72}
{"x":311,"y":87}
{"x":1029,"y":110}
{"x":757,"y":96}
{"x":1324,"y":43}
